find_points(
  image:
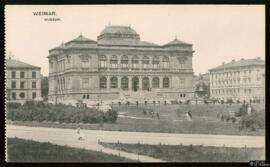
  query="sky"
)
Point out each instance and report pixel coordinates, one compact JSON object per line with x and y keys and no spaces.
{"x":219,"y":33}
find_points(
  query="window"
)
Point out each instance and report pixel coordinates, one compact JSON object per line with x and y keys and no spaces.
{"x":114,"y":61}
{"x":22,"y":74}
{"x":182,"y":83}
{"x":85,"y":83}
{"x":165,"y":62}
{"x":124,"y":61}
{"x":166,"y":82}
{"x":34,"y":95}
{"x":22,"y":95}
{"x":87,"y":96}
{"x":22,"y":85}
{"x":145,"y":62}
{"x":155,"y":82}
{"x":13,"y":84}
{"x":34,"y":84}
{"x":155,"y":62}
{"x":85,"y":61}
{"x":13,"y":95}
{"x":34,"y":75}
{"x":103,"y":61}
{"x":114,"y":82}
{"x":135,"y":61}
{"x":13,"y":74}
{"x":124,"y":83}
{"x":103,"y":82}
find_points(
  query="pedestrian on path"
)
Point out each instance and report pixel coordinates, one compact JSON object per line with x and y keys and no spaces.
{"x":79,"y":134}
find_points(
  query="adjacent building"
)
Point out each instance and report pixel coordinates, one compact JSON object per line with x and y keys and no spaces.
{"x":242,"y":80}
{"x":120,"y":65}
{"x":22,"y":81}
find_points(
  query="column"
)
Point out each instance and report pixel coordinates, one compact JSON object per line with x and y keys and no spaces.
{"x":108,"y":81}
{"x":108,"y":65}
{"x":150,"y":82}
{"x":160,"y":82}
{"x":140,"y":82}
{"x":119,"y":81}
{"x":129,"y":83}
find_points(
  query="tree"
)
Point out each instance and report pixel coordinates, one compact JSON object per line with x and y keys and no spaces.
{"x":44,"y":87}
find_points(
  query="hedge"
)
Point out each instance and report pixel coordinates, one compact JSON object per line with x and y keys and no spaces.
{"x":39,"y":111}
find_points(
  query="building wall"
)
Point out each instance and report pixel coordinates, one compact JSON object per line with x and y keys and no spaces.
{"x":75,"y":71}
{"x":243,"y":83}
{"x":27,"y":89}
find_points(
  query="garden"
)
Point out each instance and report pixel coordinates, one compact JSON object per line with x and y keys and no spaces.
{"x":206,"y":118}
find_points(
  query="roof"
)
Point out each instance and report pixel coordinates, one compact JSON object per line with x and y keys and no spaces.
{"x":176,"y":42}
{"x":11,"y":63}
{"x":241,"y":63}
{"x":118,"y":30}
{"x":79,"y":42}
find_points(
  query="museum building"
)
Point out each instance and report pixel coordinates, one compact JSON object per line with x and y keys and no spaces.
{"x":120,"y":66}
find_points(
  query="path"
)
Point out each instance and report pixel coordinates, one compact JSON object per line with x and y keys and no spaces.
{"x":68,"y":137}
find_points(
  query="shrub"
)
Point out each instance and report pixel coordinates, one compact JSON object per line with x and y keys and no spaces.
{"x":13,"y":105}
{"x":111,"y":116}
{"x":253,"y":121}
{"x":39,"y":111}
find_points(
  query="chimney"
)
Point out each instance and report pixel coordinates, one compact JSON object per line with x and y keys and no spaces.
{"x":233,"y":60}
{"x":242,"y":59}
{"x":223,"y":63}
{"x":258,"y":58}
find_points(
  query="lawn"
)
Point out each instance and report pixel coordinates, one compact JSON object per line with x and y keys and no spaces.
{"x":19,"y":150}
{"x":205,"y":120}
{"x":180,"y":153}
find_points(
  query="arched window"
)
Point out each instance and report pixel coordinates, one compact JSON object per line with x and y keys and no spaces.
{"x":124,"y":83}
{"x":124,"y":61}
{"x":155,"y":62}
{"x":103,"y":82}
{"x":114,"y":82}
{"x":103,"y":61}
{"x":114,"y":61}
{"x":135,"y":61}
{"x":145,"y":83}
{"x":145,"y":61}
{"x":155,"y":82}
{"x":166,"y":82}
{"x":165,"y":62}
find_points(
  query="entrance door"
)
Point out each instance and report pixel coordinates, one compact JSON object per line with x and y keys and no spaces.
{"x":145,"y":83}
{"x":135,"y":84}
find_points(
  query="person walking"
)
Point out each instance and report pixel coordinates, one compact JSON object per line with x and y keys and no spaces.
{"x":79,"y":134}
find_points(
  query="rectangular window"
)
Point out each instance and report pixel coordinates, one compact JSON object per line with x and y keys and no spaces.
{"x":34,"y":75}
{"x":34,"y":84}
{"x":85,"y":82}
{"x":22,"y":74}
{"x":22,"y":85}
{"x":13,"y":95}
{"x":13,"y":74}
{"x":34,"y":95}
{"x":182,"y":83}
{"x":13,"y":84}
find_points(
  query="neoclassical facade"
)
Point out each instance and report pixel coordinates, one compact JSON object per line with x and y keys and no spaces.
{"x":239,"y":80}
{"x":120,"y":66}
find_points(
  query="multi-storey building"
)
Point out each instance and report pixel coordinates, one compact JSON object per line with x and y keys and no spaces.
{"x":22,"y":81}
{"x":242,"y":80}
{"x":120,"y":65}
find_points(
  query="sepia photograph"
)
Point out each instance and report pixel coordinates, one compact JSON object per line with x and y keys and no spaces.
{"x":135,"y":83}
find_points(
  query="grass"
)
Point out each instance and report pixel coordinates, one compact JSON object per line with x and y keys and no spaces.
{"x":180,"y":153}
{"x":169,"y":120}
{"x":19,"y":150}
